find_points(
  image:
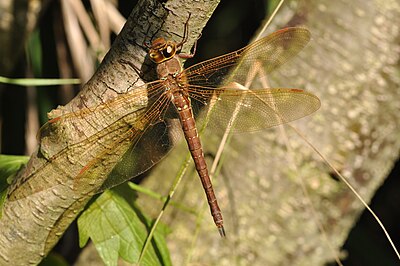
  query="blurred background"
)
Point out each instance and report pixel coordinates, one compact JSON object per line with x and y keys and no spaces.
{"x":68,"y":39}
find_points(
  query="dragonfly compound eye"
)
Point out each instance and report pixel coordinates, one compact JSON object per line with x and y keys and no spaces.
{"x":169,"y":51}
{"x":157,"y":56}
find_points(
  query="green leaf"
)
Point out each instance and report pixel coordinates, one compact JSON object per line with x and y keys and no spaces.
{"x":3,"y":196}
{"x":119,"y":230}
{"x":9,"y":165}
{"x":34,"y":53}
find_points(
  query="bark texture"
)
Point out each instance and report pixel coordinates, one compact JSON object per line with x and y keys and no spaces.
{"x":46,"y":196}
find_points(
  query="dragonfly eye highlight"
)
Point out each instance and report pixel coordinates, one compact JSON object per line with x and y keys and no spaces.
{"x":169,"y":51}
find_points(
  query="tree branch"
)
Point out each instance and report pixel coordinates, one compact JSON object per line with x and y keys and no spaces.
{"x":46,"y":197}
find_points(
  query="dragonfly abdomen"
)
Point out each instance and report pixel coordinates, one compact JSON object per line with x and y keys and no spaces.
{"x":182,"y":104}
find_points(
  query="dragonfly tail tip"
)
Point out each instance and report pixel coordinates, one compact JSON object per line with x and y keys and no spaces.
{"x":221,"y":231}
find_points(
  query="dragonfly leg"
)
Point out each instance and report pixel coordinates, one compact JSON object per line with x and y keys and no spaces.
{"x":184,"y":40}
{"x":185,"y":32}
{"x":190,"y":55}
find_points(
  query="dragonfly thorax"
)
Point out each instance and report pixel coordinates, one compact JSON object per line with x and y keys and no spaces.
{"x":171,"y":68}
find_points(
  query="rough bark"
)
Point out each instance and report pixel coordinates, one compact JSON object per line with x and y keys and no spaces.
{"x":352,"y":64}
{"x":46,"y":196}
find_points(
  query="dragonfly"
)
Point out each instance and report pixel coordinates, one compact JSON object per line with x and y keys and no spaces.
{"x":136,"y":116}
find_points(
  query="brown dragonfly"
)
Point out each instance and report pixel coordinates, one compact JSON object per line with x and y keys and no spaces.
{"x":140,"y":112}
{"x":199,"y":82}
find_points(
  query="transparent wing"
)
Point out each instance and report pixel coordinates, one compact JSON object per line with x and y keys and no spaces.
{"x":102,"y":134}
{"x":252,"y":110}
{"x":271,"y":52}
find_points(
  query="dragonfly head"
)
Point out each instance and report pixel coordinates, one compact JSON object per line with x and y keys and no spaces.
{"x":162,"y":50}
